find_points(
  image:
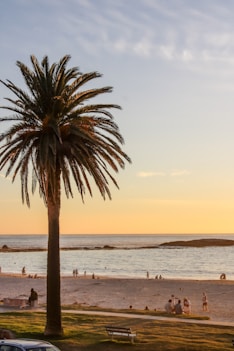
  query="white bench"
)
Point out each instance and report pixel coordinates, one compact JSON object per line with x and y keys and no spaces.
{"x":120,"y":331}
{"x":14,"y":302}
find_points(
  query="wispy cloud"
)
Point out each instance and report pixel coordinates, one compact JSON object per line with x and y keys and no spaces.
{"x":188,"y":32}
{"x":198,"y":35}
{"x":150,"y":174}
{"x":174,"y":173}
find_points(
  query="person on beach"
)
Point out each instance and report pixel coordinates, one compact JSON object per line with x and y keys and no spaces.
{"x":173,"y":299}
{"x":204,"y":302}
{"x":169,"y":308}
{"x":179,"y":308}
{"x":33,"y":297}
{"x":187,"y":306}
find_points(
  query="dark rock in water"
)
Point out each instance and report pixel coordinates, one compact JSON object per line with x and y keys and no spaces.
{"x":200,"y":243}
{"x":108,"y":247}
{"x":5,"y":247}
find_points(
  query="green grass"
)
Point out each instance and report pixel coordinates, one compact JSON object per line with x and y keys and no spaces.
{"x":87,"y":333}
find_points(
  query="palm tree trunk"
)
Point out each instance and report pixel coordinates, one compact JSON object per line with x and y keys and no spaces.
{"x":53,"y":322}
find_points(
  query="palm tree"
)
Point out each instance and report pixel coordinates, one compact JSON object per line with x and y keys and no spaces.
{"x":58,"y":136}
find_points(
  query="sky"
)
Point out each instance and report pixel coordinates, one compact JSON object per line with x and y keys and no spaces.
{"x":171,"y":66}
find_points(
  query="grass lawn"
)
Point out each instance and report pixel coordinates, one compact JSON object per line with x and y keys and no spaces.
{"x":87,"y":333}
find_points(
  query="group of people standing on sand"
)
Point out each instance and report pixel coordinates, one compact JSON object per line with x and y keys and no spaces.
{"x":177,"y":307}
{"x":75,"y":272}
{"x":156,"y":277}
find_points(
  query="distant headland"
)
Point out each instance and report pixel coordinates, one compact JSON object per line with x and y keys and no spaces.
{"x":180,"y":243}
{"x":200,"y":243}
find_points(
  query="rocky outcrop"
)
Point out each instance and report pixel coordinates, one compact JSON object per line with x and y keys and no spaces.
{"x":200,"y":243}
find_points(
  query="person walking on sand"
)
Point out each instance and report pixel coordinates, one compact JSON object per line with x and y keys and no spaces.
{"x":204,"y":302}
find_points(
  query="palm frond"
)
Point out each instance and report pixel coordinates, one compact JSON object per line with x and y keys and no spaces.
{"x":58,"y":133}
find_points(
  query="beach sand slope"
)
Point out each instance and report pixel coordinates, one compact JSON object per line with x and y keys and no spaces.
{"x":122,"y":293}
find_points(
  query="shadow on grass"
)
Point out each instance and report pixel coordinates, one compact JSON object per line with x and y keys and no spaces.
{"x":87,"y":333}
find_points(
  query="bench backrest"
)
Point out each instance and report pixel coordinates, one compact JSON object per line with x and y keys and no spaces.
{"x":118,"y":329}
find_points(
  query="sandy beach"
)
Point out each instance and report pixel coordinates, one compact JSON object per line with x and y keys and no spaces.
{"x":121,"y":293}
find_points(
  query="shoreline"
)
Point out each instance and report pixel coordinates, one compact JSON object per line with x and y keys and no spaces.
{"x":121,"y":293}
{"x":89,"y":276}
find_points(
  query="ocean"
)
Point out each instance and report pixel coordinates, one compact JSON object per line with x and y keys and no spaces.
{"x":127,"y":256}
